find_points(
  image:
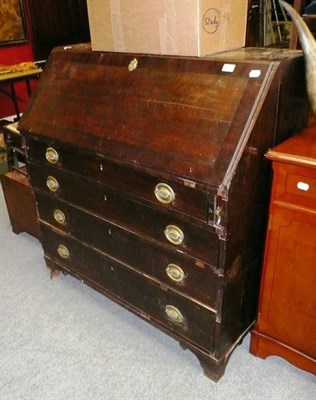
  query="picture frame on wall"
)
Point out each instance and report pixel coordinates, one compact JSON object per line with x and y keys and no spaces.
{"x":12,"y":27}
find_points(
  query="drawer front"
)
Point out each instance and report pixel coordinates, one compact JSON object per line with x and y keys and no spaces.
{"x":125,"y":178}
{"x":174,"y":269}
{"x":294,"y":185}
{"x":145,"y":221}
{"x":301,"y":185}
{"x":166,"y":308}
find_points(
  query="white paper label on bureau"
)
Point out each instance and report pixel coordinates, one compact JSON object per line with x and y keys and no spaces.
{"x":303,"y":186}
{"x":255,"y":73}
{"x":228,"y":67}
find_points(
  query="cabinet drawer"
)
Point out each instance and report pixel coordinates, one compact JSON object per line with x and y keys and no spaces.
{"x":174,"y":269}
{"x":126,"y":178}
{"x":165,"y":308}
{"x":301,"y":185}
{"x":145,"y":221}
{"x":294,"y":185}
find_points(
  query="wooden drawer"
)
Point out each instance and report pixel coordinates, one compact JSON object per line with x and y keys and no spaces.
{"x":301,"y":185}
{"x":129,"y":288}
{"x":295,"y":185}
{"x":151,"y":223}
{"x":188,"y":201}
{"x":174,"y":269}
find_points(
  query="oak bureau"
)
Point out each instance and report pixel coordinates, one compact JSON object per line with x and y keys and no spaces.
{"x":151,"y":184}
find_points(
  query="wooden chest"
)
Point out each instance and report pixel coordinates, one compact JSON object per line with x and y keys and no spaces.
{"x":17,"y":191}
{"x":151,"y":183}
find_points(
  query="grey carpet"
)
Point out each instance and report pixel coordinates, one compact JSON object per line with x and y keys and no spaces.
{"x":62,"y":340}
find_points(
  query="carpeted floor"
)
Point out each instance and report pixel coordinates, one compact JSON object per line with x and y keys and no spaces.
{"x":62,"y":340}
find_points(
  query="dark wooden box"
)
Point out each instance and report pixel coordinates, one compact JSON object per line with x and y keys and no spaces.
{"x":151,"y":182}
{"x":20,"y":203}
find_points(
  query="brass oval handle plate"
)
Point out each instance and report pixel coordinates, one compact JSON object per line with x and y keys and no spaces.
{"x":59,"y":217}
{"x":164,"y":193}
{"x":52,"y":184}
{"x":51,"y":155}
{"x":174,"y":314}
{"x":174,"y":234}
{"x":175,"y":273}
{"x":63,"y":251}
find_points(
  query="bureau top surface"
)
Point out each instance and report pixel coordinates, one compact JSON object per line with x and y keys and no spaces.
{"x":189,"y":117}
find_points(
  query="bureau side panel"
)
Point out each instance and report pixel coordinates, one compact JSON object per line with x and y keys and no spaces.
{"x":246,"y":206}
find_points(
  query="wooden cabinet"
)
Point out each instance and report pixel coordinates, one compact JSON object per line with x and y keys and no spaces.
{"x":152,"y":187}
{"x":286,"y":324}
{"x":19,"y":200}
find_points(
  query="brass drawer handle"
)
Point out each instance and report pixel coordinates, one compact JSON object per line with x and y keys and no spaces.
{"x":59,"y":217}
{"x":174,"y":234}
{"x":63,"y":251}
{"x":174,"y":314}
{"x":51,"y":155}
{"x":175,"y":273}
{"x":164,"y":193}
{"x":52,"y":184}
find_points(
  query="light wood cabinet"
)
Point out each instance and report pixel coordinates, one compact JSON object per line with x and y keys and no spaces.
{"x":286,"y":324}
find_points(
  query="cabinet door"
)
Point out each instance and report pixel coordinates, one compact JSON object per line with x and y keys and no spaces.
{"x":55,"y":23}
{"x":288,"y":301}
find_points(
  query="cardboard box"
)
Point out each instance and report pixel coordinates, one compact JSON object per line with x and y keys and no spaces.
{"x":171,"y":27}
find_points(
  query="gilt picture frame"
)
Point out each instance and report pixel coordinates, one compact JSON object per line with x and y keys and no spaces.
{"x":12,"y":27}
